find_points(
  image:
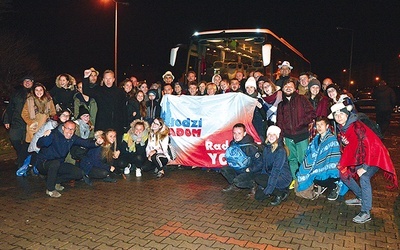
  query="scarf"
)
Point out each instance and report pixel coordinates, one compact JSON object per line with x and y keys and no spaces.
{"x":131,"y":139}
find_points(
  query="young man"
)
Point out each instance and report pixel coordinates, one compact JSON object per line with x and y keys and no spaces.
{"x":243,"y":178}
{"x":363,"y":154}
{"x":321,"y":160}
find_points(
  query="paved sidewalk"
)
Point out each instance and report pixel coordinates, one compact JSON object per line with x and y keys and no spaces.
{"x":187,"y":210}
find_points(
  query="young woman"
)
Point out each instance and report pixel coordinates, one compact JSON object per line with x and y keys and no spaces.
{"x":84,"y":127}
{"x":64,"y":91}
{"x":133,"y":146}
{"x":202,"y":88}
{"x":157,"y":147}
{"x":37,"y":109}
{"x":259,"y":115}
{"x":272,"y":96}
{"x":99,"y":162}
{"x":275,"y":178}
{"x":136,"y":108}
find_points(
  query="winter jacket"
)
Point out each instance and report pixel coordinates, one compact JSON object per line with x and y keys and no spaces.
{"x":13,"y":112}
{"x":253,"y":150}
{"x":294,"y":116}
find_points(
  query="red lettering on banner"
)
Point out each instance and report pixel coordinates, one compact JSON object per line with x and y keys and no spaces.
{"x":185,"y":132}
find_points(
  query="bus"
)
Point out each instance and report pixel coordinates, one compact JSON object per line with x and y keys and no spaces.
{"x":225,"y":52}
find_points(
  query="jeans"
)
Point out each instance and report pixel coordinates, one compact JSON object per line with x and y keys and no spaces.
{"x":365,"y":191}
{"x":58,"y":172}
{"x":240,"y":180}
{"x":297,"y":151}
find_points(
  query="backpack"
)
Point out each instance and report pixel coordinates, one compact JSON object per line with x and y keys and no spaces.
{"x":236,"y":158}
{"x":370,"y":123}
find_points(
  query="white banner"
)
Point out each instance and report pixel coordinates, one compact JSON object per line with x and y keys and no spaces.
{"x":201,"y":126}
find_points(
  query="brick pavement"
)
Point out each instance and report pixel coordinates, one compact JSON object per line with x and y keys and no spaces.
{"x":186,"y":210}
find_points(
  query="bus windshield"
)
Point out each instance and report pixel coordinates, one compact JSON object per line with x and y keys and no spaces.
{"x":225,"y":52}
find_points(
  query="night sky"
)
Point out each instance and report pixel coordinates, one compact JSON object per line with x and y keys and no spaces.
{"x":71,"y":35}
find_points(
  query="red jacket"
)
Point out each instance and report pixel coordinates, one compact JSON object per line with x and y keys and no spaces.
{"x":294,"y":116}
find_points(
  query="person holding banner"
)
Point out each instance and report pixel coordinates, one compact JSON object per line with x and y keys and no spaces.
{"x":157,"y":147}
{"x":242,"y":178}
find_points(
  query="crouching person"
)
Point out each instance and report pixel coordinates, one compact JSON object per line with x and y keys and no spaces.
{"x":275,"y":178}
{"x":244,"y":160}
{"x":320,"y":163}
{"x":363,"y":155}
{"x":99,"y":162}
{"x":54,"y":147}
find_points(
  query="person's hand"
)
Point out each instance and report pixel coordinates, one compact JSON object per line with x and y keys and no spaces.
{"x":134,"y":113}
{"x":87,"y":73}
{"x":7,"y":125}
{"x":112,"y":168}
{"x":116,"y":154}
{"x":361,"y":171}
{"x":58,"y":108}
{"x":34,"y":127}
{"x":47,"y":132}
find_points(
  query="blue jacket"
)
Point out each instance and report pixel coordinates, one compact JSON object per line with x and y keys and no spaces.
{"x":56,"y":147}
{"x":276,"y":166}
{"x":94,"y":159}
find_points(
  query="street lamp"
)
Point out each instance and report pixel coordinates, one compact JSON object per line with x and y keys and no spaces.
{"x":351,"y":50}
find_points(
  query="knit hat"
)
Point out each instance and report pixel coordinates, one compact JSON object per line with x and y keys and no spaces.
{"x":152,"y":92}
{"x":27,"y":78}
{"x":83,"y":111}
{"x":340,"y":107}
{"x":251,"y":82}
{"x":336,"y":87}
{"x":262,"y":79}
{"x":314,"y":82}
{"x":274,"y":130}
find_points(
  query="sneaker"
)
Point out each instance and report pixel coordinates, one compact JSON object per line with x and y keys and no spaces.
{"x":138,"y":172}
{"x":292,"y":184}
{"x":362,"y":217}
{"x":87,"y":179}
{"x":333,"y":195}
{"x":160,"y":174}
{"x":353,"y":202}
{"x":127,"y":169}
{"x":229,"y":188}
{"x":59,"y":187}
{"x":109,"y":179}
{"x":53,"y":194}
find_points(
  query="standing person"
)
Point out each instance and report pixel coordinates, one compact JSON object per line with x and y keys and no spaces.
{"x":99,"y":162}
{"x":202,"y":87}
{"x":64,"y":91}
{"x":190,"y":77}
{"x":272,"y":96}
{"x":295,"y":116}
{"x":193,"y":89}
{"x":259,"y":115}
{"x":217,"y":80}
{"x":325,"y":83}
{"x":153,"y":107}
{"x":13,"y":121}
{"x":93,"y":76}
{"x":89,"y":103}
{"x":168,"y":78}
{"x":110,"y":102}
{"x":363,"y":154}
{"x":284,"y":70}
{"x":224,"y":86}
{"x":242,"y":178}
{"x":37,"y":109}
{"x":240,"y":77}
{"x":319,"y":102}
{"x":54,"y":147}
{"x":275,"y":178}
{"x":385,"y":102}
{"x":211,"y":88}
{"x":304,"y":80}
{"x":157,"y":147}
{"x":235,"y":86}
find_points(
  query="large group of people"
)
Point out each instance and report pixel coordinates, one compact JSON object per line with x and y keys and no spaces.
{"x":91,"y":130}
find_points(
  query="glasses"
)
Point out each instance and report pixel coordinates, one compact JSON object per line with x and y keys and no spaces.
{"x":155,"y":123}
{"x":70,"y":129}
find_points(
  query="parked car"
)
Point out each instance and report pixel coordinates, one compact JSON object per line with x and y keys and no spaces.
{"x":364,"y":102}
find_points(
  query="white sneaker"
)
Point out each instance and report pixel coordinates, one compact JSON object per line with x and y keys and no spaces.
{"x":59,"y":187}
{"x":127,"y":169}
{"x":138,"y":172}
{"x":53,"y":194}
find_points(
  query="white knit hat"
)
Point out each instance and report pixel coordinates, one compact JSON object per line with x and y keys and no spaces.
{"x":274,"y":130}
{"x":251,"y":82}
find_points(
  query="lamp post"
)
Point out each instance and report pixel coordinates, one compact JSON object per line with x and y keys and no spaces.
{"x":351,"y":52}
{"x":116,"y":43}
